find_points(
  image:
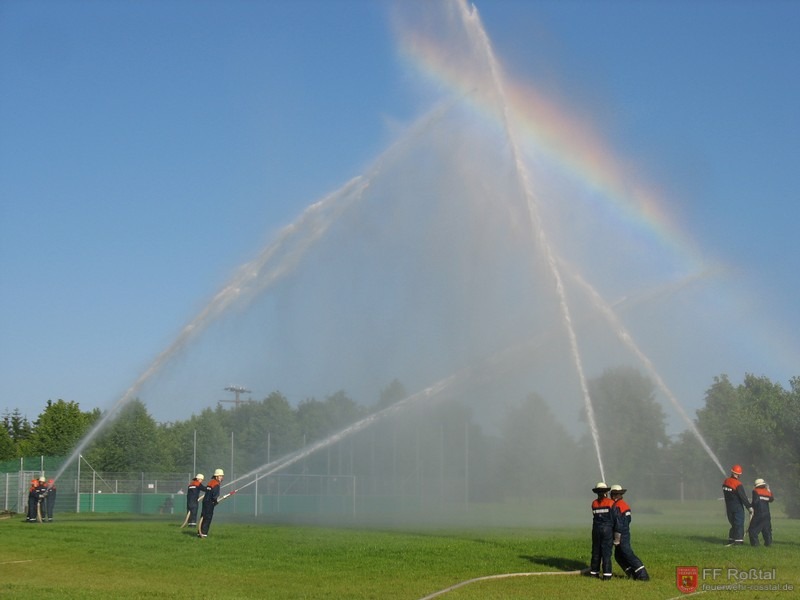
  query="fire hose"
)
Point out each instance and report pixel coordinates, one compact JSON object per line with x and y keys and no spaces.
{"x":225,"y":497}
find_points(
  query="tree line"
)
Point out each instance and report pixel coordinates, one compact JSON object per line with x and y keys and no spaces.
{"x":447,"y":447}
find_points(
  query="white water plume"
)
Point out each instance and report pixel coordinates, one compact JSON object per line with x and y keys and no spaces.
{"x":440,"y":263}
{"x":624,"y":335}
{"x":521,"y":172}
{"x":275,"y":262}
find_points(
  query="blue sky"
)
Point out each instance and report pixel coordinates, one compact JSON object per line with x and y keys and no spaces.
{"x":147,"y":149}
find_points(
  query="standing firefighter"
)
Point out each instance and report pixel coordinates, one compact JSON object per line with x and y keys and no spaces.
{"x":210,"y":501}
{"x":33,"y":502}
{"x":602,"y":532}
{"x":50,"y":499}
{"x":735,"y":503}
{"x":621,"y":522}
{"x":762,"y":521}
{"x":193,"y":498}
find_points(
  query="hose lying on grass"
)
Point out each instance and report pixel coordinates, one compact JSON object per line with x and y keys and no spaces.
{"x":503,"y":576}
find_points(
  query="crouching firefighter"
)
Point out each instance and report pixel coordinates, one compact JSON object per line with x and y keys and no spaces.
{"x":621,"y":522}
{"x":602,"y":533}
{"x":762,"y":521}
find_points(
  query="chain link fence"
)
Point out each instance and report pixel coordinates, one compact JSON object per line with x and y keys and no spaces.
{"x":80,"y":488}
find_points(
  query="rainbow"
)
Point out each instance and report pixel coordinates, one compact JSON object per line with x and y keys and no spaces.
{"x":547,"y":128}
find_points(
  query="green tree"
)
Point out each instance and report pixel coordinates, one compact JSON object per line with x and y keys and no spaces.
{"x":177,"y":441}
{"x":631,"y":428}
{"x":59,"y":428}
{"x":318,"y":419}
{"x":537,"y":455}
{"x":394,"y":392}
{"x":754,"y":424}
{"x":265,"y":431}
{"x":129,"y":443}
{"x":8,"y":449}
{"x":789,"y":439}
{"x":17,"y":425}
{"x":742,"y":423}
{"x":213,"y":439}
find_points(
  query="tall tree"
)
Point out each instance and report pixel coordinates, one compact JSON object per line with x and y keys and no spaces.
{"x":319,"y":419}
{"x":213,"y":439}
{"x":755,"y":424}
{"x":17,"y":425}
{"x":8,"y":449}
{"x":266,"y":431}
{"x":130,"y":443}
{"x":537,"y":455}
{"x":394,"y":392}
{"x":59,"y":428}
{"x":631,"y":428}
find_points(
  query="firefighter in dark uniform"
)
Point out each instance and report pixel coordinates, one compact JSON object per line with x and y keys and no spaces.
{"x":33,"y":500}
{"x":762,"y":521}
{"x":209,"y":502}
{"x":602,"y":533}
{"x":49,"y":499}
{"x":35,"y":497}
{"x":735,"y":503}
{"x":621,"y":522}
{"x":193,"y":498}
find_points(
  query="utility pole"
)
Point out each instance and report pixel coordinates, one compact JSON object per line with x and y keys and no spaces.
{"x":236,"y":389}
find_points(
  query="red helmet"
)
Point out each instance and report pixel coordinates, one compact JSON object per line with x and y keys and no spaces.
{"x":736,"y":469}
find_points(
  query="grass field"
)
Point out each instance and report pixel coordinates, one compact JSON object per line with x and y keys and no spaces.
{"x":127,"y":556}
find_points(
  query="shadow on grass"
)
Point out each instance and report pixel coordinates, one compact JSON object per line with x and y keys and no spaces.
{"x":784,"y":543}
{"x":714,"y":541}
{"x":555,"y":562}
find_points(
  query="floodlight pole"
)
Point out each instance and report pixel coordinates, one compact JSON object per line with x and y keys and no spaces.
{"x":236,"y":389}
{"x":194,"y":455}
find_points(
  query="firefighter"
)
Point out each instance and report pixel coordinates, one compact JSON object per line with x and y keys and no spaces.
{"x":33,"y":500}
{"x":49,"y":499}
{"x":36,"y":494}
{"x":193,"y":498}
{"x":761,"y":521}
{"x":209,"y":502}
{"x":735,"y":503}
{"x":621,"y":523}
{"x":602,"y":533}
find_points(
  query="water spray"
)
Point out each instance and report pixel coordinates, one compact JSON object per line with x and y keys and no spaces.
{"x":273,"y":263}
{"x":472,"y":17}
{"x":510,"y":359}
{"x":429,"y":393}
{"x":622,"y":333}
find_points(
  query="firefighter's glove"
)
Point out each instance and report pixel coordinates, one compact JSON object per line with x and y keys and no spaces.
{"x":617,"y":538}
{"x":751,"y":511}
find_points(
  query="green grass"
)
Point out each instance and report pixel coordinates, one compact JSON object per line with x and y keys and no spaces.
{"x":126,"y":556}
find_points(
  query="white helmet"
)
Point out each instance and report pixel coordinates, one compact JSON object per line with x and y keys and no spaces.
{"x":759,"y":482}
{"x":200,"y":477}
{"x":219,"y":472}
